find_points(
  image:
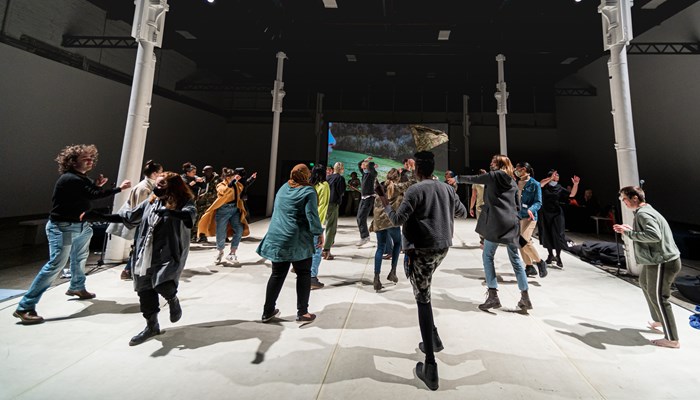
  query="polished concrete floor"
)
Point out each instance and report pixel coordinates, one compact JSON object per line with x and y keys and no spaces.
{"x":586,"y":337}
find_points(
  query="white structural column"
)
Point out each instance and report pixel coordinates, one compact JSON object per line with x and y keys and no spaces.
{"x":319,"y":125}
{"x":617,"y":32}
{"x":149,"y":19}
{"x":502,"y":100}
{"x":465,"y":128}
{"x":277,"y":97}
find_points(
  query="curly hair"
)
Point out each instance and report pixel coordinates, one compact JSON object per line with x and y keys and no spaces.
{"x":69,"y":155}
{"x":177,"y":191}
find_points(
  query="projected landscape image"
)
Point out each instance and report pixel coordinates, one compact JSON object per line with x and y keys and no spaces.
{"x":388,"y":144}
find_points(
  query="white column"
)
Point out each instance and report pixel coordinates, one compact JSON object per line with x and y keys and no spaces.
{"x":617,"y":32}
{"x":147,"y":30}
{"x":501,"y":98}
{"x":319,"y":125}
{"x":277,"y":97}
{"x":465,"y":128}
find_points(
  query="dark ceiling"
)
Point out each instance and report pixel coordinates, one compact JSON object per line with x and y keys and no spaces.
{"x":395,"y":42}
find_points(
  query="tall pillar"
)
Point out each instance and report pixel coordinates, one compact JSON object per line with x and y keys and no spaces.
{"x":465,"y":128}
{"x":319,"y":125}
{"x":149,"y":19}
{"x":277,"y":96}
{"x":617,"y":32}
{"x":501,"y":98}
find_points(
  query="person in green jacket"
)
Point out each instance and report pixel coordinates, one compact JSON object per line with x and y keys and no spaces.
{"x":657,"y":253}
{"x":290,"y":239}
{"x":318,"y":180}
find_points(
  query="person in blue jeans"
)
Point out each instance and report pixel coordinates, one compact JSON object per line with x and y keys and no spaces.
{"x":499,"y":223}
{"x":227,"y":210}
{"x":68,"y":237}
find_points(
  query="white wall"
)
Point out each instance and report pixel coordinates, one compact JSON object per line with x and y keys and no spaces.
{"x":46,"y":105}
{"x":665,"y":93}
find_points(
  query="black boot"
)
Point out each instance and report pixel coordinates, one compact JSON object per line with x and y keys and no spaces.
{"x":152,"y":329}
{"x":392,"y":276}
{"x":525,"y":303}
{"x":175,"y":309}
{"x":530,"y":270}
{"x":542,"y":267}
{"x":559,"y":263}
{"x":437,"y":343}
{"x":377,"y":283}
{"x":492,"y":301}
{"x":428,"y":374}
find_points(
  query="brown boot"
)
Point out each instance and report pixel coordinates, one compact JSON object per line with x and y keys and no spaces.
{"x":377,"y":283}
{"x":492,"y":300}
{"x":392,"y":276}
{"x":525,"y":303}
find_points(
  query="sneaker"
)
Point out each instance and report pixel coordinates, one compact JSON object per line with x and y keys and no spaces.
{"x":268,"y":318}
{"x":232,"y":258}
{"x":66,"y":273}
{"x":126,"y":275}
{"x":316,"y":284}
{"x":386,"y":256}
{"x":308,"y":317}
{"x":219,"y":257}
{"x":363,"y":241}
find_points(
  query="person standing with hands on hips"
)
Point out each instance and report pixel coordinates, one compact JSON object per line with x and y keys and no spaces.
{"x":657,"y":253}
{"x":68,"y":235}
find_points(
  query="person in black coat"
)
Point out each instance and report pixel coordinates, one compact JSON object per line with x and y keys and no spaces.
{"x":499,"y":223}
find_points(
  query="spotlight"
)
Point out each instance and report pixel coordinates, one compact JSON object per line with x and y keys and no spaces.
{"x":212,"y":1}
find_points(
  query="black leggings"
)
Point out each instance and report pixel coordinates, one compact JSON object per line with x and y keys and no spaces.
{"x":276,"y":281}
{"x":148,"y":299}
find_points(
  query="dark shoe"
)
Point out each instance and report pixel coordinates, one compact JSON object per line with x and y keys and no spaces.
{"x":28,"y":317}
{"x":126,"y":275}
{"x":530,"y":270}
{"x":525,"y":303}
{"x":392,"y":276}
{"x":202,"y":239}
{"x":550,"y":260}
{"x":175,"y":309}
{"x":542,"y":267}
{"x":559,"y":263}
{"x":308,"y":317}
{"x":492,"y":300}
{"x":316,"y":284}
{"x":268,"y":318}
{"x":82,"y":294}
{"x":152,"y":329}
{"x":386,"y":256}
{"x":377,"y":283}
{"x":437,"y":343}
{"x":428,"y":374}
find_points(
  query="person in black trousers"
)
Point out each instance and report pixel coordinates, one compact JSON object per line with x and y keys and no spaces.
{"x":369,"y":176}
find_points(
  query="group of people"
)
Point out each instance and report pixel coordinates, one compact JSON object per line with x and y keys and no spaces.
{"x":412,"y":210}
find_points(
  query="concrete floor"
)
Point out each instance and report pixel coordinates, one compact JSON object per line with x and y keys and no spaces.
{"x":586,"y":337}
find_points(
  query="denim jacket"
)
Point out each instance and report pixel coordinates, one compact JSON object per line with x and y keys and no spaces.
{"x":530,"y":199}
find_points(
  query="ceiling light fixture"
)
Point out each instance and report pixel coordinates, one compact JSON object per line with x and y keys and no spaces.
{"x":210,"y":1}
{"x":653,"y":4}
{"x":351,"y":57}
{"x":569,"y":60}
{"x":390,"y":73}
{"x":186,"y":35}
{"x":330,"y":4}
{"x":444,"y":35}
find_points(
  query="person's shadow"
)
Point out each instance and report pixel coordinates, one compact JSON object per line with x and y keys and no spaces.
{"x":601,"y":335}
{"x":97,"y":307}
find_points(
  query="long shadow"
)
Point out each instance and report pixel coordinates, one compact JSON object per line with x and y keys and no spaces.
{"x":189,"y":273}
{"x":97,"y":307}
{"x":196,"y":336}
{"x":440,"y":301}
{"x":603,"y":335}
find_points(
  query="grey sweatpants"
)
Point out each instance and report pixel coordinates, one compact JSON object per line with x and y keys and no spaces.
{"x":656,"y":281}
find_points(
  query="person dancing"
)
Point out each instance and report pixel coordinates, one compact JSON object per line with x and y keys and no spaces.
{"x":165,"y":223}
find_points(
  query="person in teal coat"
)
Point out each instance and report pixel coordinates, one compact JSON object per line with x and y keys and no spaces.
{"x":290,"y":240}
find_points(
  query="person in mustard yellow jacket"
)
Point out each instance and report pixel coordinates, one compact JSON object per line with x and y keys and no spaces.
{"x":226,"y":216}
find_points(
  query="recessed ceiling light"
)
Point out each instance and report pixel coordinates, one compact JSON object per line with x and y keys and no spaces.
{"x":569,"y":60}
{"x":390,"y":73}
{"x":351,"y":57}
{"x":330,"y":4}
{"x":186,"y":35}
{"x":210,"y":1}
{"x":444,"y":35}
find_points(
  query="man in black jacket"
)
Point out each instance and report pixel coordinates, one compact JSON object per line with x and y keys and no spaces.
{"x":68,"y":236}
{"x":369,"y":175}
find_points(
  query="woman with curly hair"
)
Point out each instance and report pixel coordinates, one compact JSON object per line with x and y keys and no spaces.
{"x":165,"y":223}
{"x":68,"y":236}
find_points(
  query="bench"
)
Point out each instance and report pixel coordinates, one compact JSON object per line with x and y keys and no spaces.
{"x":35,"y":231}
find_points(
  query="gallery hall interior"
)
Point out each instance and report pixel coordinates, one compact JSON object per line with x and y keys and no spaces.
{"x":341,"y":199}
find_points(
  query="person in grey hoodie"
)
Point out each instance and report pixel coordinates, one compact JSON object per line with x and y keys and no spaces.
{"x":657,"y":253}
{"x":499,"y":223}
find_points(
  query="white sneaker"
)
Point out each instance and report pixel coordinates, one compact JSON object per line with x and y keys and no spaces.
{"x":66,"y":273}
{"x":219,"y":257}
{"x":363,"y":241}
{"x":232,"y":258}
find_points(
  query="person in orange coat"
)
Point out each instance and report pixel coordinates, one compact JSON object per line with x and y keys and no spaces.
{"x":226,"y":216}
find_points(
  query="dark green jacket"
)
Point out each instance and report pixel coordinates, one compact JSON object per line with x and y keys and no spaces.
{"x":652,"y":237}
